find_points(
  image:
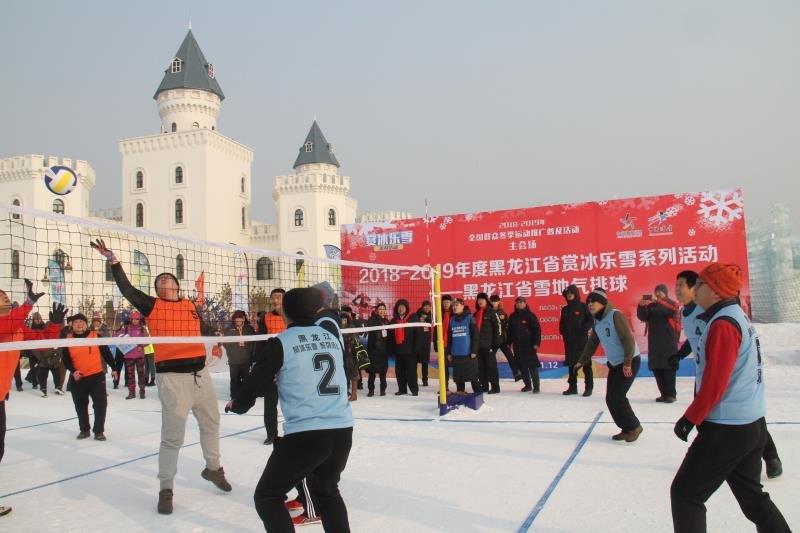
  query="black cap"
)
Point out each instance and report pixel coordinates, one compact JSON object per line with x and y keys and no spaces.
{"x":302,"y":304}
{"x":598,"y":295}
{"x":79,"y":316}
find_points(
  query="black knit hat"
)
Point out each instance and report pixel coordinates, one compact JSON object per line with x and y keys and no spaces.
{"x":482,"y":295}
{"x":446,"y":297}
{"x":79,"y":316}
{"x":170,"y":274}
{"x":302,"y":304}
{"x":598,"y":295}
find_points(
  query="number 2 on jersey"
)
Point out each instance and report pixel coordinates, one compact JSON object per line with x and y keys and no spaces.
{"x":324,"y":387}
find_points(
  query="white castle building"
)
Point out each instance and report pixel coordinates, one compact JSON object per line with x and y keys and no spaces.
{"x":188,"y":180}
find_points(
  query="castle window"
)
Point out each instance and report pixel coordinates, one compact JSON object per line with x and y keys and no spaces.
{"x":195,"y":124}
{"x":309,"y":147}
{"x":331,"y":217}
{"x":179,"y":211}
{"x":140,"y":180}
{"x":299,"y":263}
{"x":178,"y":175}
{"x":330,"y":148}
{"x":176,"y":65}
{"x":298,"y":218}
{"x":264,"y":269}
{"x":210,"y":70}
{"x":179,"y":266}
{"x":15,"y":264}
{"x":244,"y":217}
{"x":139,"y":215}
{"x":58,"y":206}
{"x":244,"y":184}
{"x":174,"y":127}
{"x":16,"y":202}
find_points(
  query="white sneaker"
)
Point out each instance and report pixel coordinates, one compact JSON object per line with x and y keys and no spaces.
{"x":60,"y":392}
{"x":44,"y":394}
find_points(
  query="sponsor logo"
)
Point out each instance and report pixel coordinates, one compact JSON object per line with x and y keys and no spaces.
{"x":656,"y":224}
{"x":392,"y":240}
{"x":629,"y":230}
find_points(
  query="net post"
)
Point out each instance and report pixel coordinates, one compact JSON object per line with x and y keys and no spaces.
{"x":437,"y":296}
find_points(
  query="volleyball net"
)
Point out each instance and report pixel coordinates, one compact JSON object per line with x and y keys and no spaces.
{"x":218,"y":281}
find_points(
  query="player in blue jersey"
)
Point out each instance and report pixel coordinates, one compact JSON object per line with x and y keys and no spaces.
{"x":308,"y":361}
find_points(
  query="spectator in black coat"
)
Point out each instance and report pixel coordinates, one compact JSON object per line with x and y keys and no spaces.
{"x":240,"y":354}
{"x":401,"y":345}
{"x":574,"y":326}
{"x":525,"y":337}
{"x":502,"y":316}
{"x":489,"y":333}
{"x":422,"y":339}
{"x":377,"y":346}
{"x":661,"y":316}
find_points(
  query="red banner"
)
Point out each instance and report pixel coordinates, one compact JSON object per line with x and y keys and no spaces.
{"x":626,"y":246}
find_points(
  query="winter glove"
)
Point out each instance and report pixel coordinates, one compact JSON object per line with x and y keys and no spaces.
{"x":682,"y":428}
{"x":31,"y":296}
{"x":58,"y":313}
{"x":674,"y":361}
{"x":100,"y":246}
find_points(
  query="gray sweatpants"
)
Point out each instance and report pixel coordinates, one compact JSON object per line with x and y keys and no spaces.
{"x":179,"y":394}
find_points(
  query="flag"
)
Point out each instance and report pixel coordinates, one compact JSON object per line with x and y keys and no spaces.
{"x":140,"y":272}
{"x":200,"y":289}
{"x":335,"y":271}
{"x":240,"y":299}
{"x":58,"y":289}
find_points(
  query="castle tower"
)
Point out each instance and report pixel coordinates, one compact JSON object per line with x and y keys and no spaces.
{"x":314,"y":202}
{"x":188,"y":179}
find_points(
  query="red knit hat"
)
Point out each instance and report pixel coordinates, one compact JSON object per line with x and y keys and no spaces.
{"x":723,"y":279}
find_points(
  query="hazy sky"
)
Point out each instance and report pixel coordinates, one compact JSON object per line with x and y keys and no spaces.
{"x":476,"y":105}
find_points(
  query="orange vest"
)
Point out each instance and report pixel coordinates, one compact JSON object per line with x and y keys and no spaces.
{"x":86,"y":359}
{"x":175,"y":319}
{"x":274,"y":323}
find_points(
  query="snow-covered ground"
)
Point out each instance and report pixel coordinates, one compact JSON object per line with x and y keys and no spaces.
{"x":497,"y":469}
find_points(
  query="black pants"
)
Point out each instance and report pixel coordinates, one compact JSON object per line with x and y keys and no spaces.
{"x":529,"y":367}
{"x":371,"y":380}
{"x":42,"y":377}
{"x":617,"y":386}
{"x":770,"y":451}
{"x":487,"y":369}
{"x":724,"y":453}
{"x":304,"y":496}
{"x":572,"y":379}
{"x":17,"y":376}
{"x":93,"y":387}
{"x":405,"y":370}
{"x":32,"y":376}
{"x":513,"y":363}
{"x":665,"y":380}
{"x":2,"y":429}
{"x":238,"y":373}
{"x":271,"y":410}
{"x":321,"y":453}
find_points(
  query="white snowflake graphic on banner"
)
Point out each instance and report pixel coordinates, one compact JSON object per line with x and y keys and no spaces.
{"x":689,"y":200}
{"x":692,"y":232}
{"x":721,"y":207}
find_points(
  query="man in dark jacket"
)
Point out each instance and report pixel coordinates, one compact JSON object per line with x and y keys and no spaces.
{"x":574,"y":327}
{"x":497,"y":305}
{"x":525,"y":337}
{"x":422,"y":339}
{"x":660,"y":314}
{"x":377,"y":347}
{"x":240,"y":354}
{"x":488,"y":326}
{"x":401,"y":345}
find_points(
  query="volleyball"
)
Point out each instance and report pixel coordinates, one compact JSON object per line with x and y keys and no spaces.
{"x":60,"y":180}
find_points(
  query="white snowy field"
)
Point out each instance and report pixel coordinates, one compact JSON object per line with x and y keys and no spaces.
{"x":502,"y":468}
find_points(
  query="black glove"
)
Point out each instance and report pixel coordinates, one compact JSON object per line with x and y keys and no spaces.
{"x":682,"y":428}
{"x":674,"y":361}
{"x":58,"y":313}
{"x":227,"y":409}
{"x":32,"y":297}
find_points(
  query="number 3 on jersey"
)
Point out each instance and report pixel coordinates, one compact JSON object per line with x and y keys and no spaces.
{"x":324,"y":387}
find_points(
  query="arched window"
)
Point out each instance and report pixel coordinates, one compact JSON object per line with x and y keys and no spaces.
{"x":58,"y":206}
{"x":244,"y":185}
{"x":140,"y":179}
{"x":174,"y":127}
{"x":176,"y":65}
{"x":195,"y":124}
{"x":331,"y":217}
{"x":298,"y":264}
{"x":15,"y":264}
{"x":298,"y":218}
{"x":244,"y":217}
{"x":179,"y":266}
{"x":179,"y":211}
{"x":60,"y":257}
{"x":178,"y":175}
{"x":16,"y":202}
{"x":139,"y":215}
{"x":264,"y":269}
